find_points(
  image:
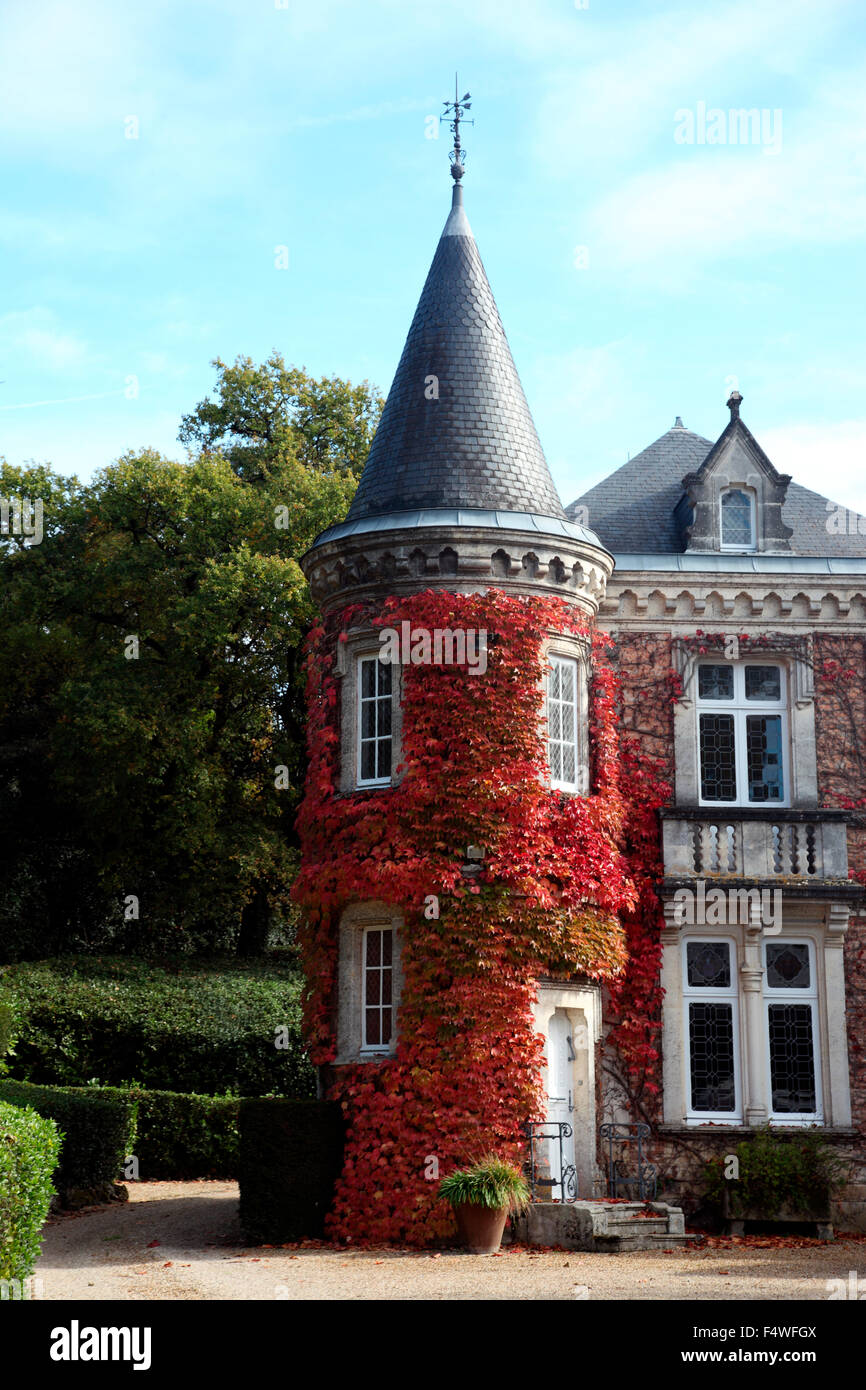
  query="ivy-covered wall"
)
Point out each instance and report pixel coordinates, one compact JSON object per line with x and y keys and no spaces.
{"x":557,"y":876}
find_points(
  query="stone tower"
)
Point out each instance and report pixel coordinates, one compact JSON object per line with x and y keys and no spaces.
{"x":456,"y":496}
{"x":456,"y":491}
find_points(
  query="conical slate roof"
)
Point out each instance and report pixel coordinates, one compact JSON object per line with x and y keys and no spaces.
{"x":474,"y":444}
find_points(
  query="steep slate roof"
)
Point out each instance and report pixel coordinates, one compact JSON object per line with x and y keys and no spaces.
{"x":475,"y":446}
{"x":632,"y":510}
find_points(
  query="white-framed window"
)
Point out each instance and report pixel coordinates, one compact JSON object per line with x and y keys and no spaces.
{"x":562,"y":726}
{"x":743,"y":749}
{"x":711,"y":1004}
{"x":788,"y":1048}
{"x":375,"y":721}
{"x":792,"y":1032}
{"x":377,"y":1004}
{"x":738,"y":516}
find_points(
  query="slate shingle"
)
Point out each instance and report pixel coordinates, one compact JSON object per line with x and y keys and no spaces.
{"x":632,"y":510}
{"x":476,"y":446}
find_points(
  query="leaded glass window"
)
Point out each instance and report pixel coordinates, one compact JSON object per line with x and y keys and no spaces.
{"x":709,"y":964}
{"x":792,"y":1058}
{"x":710,"y":994}
{"x":718,"y":758}
{"x":791,"y":1000}
{"x":742,"y":732}
{"x":788,"y":965}
{"x":711,"y":1051}
{"x":562,"y":713}
{"x":716,"y":682}
{"x":738,"y":519}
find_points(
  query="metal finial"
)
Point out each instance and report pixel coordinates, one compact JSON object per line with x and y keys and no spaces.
{"x":453,"y":114}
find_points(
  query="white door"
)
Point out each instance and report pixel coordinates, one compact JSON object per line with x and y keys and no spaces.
{"x":560,"y":1103}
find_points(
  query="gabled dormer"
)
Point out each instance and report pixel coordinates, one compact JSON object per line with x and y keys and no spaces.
{"x":733,"y":503}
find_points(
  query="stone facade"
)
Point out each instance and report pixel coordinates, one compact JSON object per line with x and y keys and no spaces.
{"x":823,"y":901}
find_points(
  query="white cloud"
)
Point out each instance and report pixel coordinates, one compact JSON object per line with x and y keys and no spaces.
{"x":828,"y":458}
{"x":32,"y":337}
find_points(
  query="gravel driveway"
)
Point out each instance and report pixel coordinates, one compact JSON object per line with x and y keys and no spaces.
{"x":180,"y":1240}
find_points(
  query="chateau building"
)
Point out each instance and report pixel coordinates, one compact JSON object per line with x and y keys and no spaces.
{"x":736,"y":603}
{"x":753,"y":588}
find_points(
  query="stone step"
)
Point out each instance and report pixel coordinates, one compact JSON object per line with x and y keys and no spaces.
{"x":620,"y":1244}
{"x":648,"y":1224}
{"x":604,"y":1226}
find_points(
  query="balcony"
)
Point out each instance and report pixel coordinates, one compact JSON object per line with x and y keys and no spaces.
{"x":801,"y":848}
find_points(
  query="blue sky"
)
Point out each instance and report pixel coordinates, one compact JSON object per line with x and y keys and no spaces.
{"x":304,"y":125}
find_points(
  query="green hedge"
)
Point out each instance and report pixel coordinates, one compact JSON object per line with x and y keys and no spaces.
{"x":186,"y":1136}
{"x":291,"y":1154}
{"x":201,"y":1027}
{"x":176,"y":1135}
{"x":29,"y":1146}
{"x":97,"y":1129}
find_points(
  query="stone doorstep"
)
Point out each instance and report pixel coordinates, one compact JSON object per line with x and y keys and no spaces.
{"x":602,"y":1226}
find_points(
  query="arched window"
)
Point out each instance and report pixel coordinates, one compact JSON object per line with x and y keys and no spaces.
{"x":738,"y":520}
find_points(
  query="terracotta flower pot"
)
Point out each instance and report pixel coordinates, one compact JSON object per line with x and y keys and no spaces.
{"x":480,"y":1228}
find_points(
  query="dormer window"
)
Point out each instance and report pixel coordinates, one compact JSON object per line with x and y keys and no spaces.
{"x":738,"y":530}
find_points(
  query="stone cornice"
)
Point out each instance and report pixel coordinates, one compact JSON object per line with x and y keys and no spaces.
{"x":677,"y":601}
{"x":370,"y":566}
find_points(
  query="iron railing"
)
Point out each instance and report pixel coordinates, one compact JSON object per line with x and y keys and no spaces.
{"x":541,"y":1184}
{"x":628,"y":1172}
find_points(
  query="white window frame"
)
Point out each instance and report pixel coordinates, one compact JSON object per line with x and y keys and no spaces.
{"x":781,"y":995}
{"x":360,"y":701}
{"x":729,"y":995}
{"x":380,"y":1048}
{"x":741,"y":708}
{"x":555,"y":659}
{"x":753,"y":519}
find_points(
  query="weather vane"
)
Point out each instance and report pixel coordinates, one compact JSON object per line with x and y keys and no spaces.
{"x":453,"y":114}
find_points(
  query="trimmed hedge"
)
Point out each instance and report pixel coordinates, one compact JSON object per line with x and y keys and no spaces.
{"x":97,"y":1129}
{"x":29,"y":1146}
{"x":194,"y":1027}
{"x":186,"y":1136}
{"x":176,"y":1135}
{"x":290,"y":1157}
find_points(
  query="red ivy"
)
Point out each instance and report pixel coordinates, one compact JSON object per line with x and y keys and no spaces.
{"x":565,"y":889}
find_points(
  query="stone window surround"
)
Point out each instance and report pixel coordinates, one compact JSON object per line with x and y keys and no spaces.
{"x":582,"y":1004}
{"x":363,"y":642}
{"x":705,"y":497}
{"x":350,"y":979}
{"x":802,"y":751}
{"x":801,"y":922}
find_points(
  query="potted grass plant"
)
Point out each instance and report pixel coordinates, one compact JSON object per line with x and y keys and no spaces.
{"x":483,"y":1195}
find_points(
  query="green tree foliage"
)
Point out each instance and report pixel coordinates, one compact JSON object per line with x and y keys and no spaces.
{"x":263,"y":413}
{"x":150,"y":686}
